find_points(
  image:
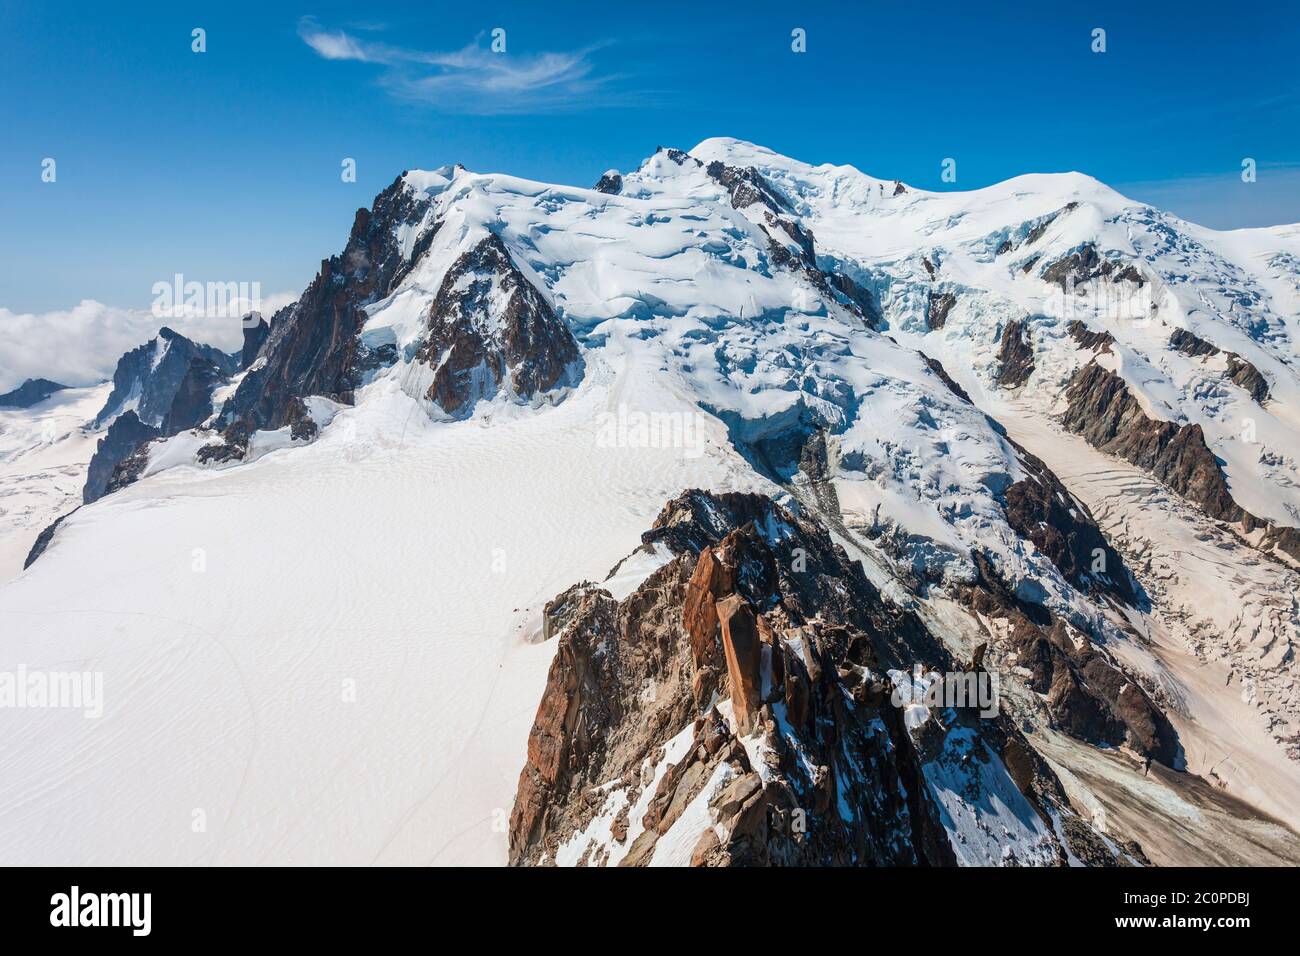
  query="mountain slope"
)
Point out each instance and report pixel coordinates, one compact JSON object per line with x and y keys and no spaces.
{"x":333,"y":595}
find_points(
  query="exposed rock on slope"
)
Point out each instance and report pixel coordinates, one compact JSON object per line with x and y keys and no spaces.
{"x":1088,"y":339}
{"x":255,"y":333}
{"x":160,"y":389}
{"x":147,"y":378}
{"x":1016,"y":356}
{"x":1041,"y":509}
{"x":192,"y":404}
{"x":123,"y":437}
{"x":1086,"y":264}
{"x":29,"y":393}
{"x":312,"y":346}
{"x":1103,"y":411}
{"x":1190,"y":344}
{"x":489,"y":325}
{"x":1240,"y":372}
{"x":750,"y":704}
{"x":45,"y":537}
{"x":610,"y":183}
{"x":747,"y":186}
{"x":938,"y":307}
{"x":1087,"y":694}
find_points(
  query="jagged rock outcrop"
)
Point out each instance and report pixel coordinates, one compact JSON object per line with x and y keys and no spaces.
{"x":312,"y":346}
{"x":1105,"y":412}
{"x":256,"y":329}
{"x":937,"y":308}
{"x":1016,"y":355}
{"x":1040,"y":508}
{"x":231,"y":446}
{"x":747,"y":186}
{"x":129,"y":469}
{"x":610,"y":183}
{"x":1242,"y":373}
{"x":859,"y":297}
{"x":147,"y":378}
{"x":29,"y":393}
{"x":123,"y":438}
{"x":1109,"y":417}
{"x":1039,"y":228}
{"x":1191,"y":344}
{"x":1239,"y":371}
{"x":489,"y":326}
{"x":748,"y":705}
{"x":1088,"y":695}
{"x":192,"y":404}
{"x":46,"y":536}
{"x":302,"y":427}
{"x":165,"y":387}
{"x":1086,"y":264}
{"x":1088,"y":339}
{"x":171,"y":380}
{"x":935,"y":366}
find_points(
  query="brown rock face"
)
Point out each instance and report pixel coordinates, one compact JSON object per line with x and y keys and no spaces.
{"x":1190,"y":344}
{"x":746,"y":186}
{"x":1245,"y":375}
{"x":1240,"y":372}
{"x":1043,"y":510}
{"x":311,"y":347}
{"x":1089,"y":696}
{"x":740,"y":646}
{"x":819,"y":770}
{"x":1086,"y":264}
{"x":1104,"y":412}
{"x":1102,"y":409}
{"x":488,"y":328}
{"x":1016,"y":354}
{"x":1088,"y":339}
{"x":699,"y":612}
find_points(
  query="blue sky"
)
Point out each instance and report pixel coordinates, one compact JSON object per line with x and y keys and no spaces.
{"x":225,"y":165}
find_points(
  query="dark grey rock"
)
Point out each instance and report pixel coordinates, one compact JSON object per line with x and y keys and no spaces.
{"x":124,"y":436}
{"x":29,"y":393}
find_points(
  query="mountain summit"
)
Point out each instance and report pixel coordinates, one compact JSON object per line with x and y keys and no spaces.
{"x":651,"y":523}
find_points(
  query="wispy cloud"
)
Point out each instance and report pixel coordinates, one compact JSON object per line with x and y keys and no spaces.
{"x":473,"y":79}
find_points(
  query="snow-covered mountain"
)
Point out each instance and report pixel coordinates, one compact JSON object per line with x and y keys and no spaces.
{"x":435,"y":525}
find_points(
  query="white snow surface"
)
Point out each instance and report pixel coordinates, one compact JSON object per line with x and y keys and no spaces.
{"x":323,"y":652}
{"x":44,"y":451}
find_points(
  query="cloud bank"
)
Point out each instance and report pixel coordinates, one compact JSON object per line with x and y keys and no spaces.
{"x":81,"y":345}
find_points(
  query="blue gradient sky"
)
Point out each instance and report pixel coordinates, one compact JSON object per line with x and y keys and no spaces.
{"x":225,"y":165}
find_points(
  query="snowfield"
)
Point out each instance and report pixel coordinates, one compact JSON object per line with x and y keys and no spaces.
{"x":44,"y":451}
{"x":330,"y":652}
{"x":324,"y":655}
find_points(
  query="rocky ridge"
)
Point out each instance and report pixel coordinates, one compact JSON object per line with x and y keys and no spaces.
{"x":750,"y":704}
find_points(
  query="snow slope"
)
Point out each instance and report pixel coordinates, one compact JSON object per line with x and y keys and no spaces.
{"x":326,"y":652}
{"x":409,"y":557}
{"x":43,"y":455}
